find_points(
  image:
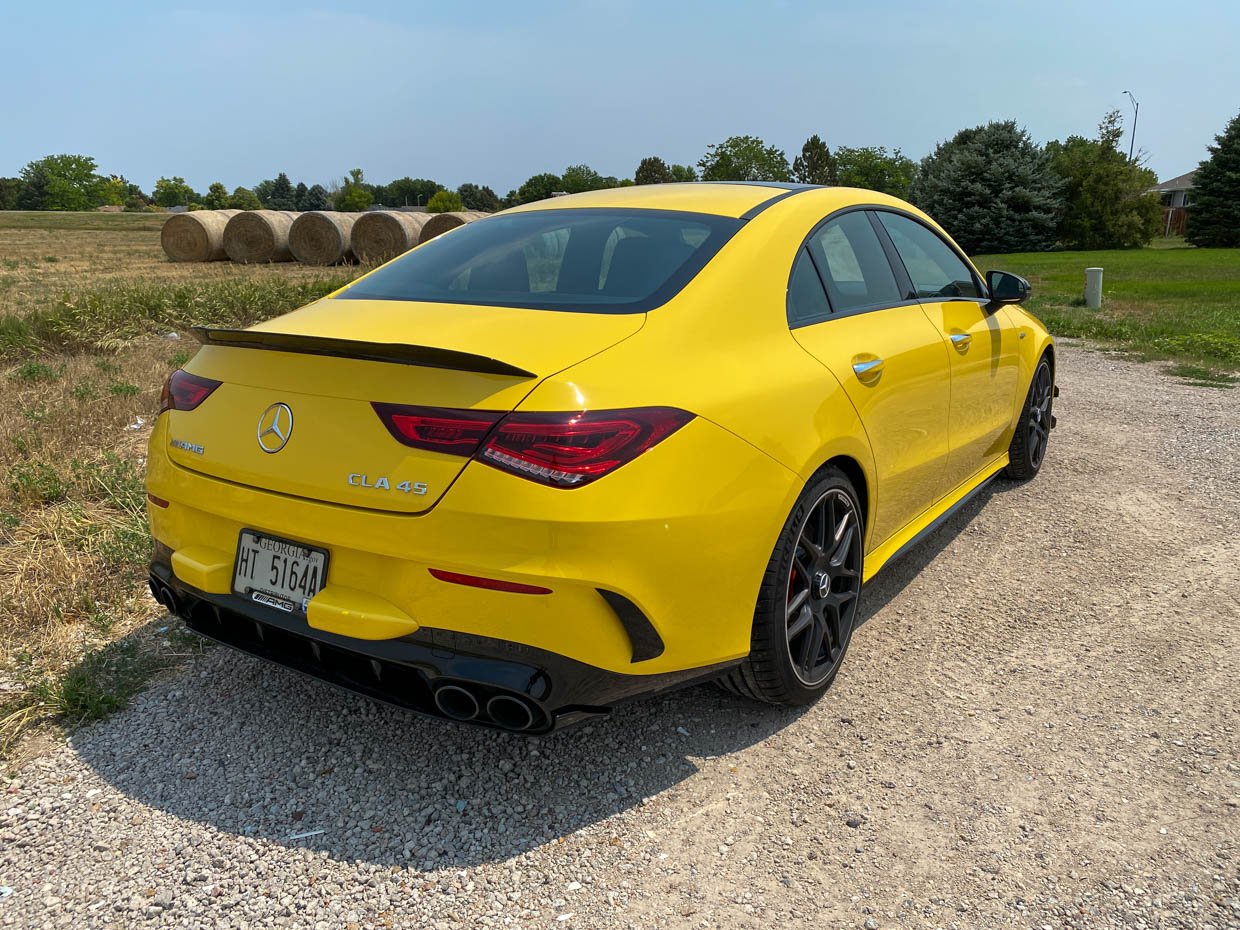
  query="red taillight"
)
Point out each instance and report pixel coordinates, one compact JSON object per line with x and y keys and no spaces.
{"x":569,"y":450}
{"x":183,"y":391}
{"x":563,"y":450}
{"x":457,"y":432}
{"x":490,"y":584}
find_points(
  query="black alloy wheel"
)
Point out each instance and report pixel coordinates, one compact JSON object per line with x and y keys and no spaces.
{"x":807,"y":605}
{"x":1040,"y":400}
{"x":1033,"y":429}
{"x":824,"y":584}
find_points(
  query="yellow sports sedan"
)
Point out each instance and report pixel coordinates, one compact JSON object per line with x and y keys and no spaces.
{"x":595,"y":447}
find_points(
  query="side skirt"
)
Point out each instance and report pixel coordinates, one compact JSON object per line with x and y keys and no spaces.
{"x":930,"y":520}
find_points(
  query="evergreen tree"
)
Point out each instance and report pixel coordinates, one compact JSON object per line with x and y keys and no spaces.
{"x":992,"y":188}
{"x":34,"y":188}
{"x":299,"y":195}
{"x":262,"y":190}
{"x":281,"y":196}
{"x":10,"y":192}
{"x":815,"y":165}
{"x":478,"y":198}
{"x":652,"y":170}
{"x":1106,"y":201}
{"x":1214,"y":213}
{"x":316,"y":199}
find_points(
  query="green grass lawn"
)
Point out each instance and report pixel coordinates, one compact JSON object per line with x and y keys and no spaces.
{"x":1163,"y":302}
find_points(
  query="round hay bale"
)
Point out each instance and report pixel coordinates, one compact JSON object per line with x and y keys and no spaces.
{"x":381,"y":235}
{"x":322,"y":238}
{"x":440,"y":223}
{"x":257,"y":236}
{"x":197,"y":236}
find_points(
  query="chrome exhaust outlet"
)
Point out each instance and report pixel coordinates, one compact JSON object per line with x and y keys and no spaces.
{"x":171,"y":601}
{"x":510,"y":713}
{"x":455,"y":702}
{"x":163,"y":595}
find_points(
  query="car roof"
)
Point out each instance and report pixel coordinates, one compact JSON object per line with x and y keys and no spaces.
{"x":722,"y":198}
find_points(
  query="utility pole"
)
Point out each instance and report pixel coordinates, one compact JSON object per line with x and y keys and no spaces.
{"x":1136,"y":111}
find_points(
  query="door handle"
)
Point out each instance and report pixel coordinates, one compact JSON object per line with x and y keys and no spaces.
{"x":961,"y":340}
{"x":870,"y":369}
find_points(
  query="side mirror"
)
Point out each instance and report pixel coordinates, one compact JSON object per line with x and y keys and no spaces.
{"x":1007,"y":288}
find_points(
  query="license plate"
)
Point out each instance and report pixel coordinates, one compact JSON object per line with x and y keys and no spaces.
{"x":277,"y":572}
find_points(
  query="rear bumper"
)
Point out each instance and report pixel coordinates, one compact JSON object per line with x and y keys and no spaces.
{"x":681,"y":536}
{"x":538,"y":691}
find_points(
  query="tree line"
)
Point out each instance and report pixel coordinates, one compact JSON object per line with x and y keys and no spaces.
{"x":992,"y":187}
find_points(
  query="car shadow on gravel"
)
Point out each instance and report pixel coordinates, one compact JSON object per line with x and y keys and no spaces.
{"x":254,"y":750}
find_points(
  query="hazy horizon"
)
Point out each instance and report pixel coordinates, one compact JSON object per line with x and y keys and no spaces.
{"x":491,"y":93}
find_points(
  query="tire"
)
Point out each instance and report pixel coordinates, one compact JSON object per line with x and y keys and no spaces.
{"x":807,"y":605}
{"x":1033,"y":430}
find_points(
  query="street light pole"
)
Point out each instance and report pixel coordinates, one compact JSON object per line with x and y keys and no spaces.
{"x":1136,"y":111}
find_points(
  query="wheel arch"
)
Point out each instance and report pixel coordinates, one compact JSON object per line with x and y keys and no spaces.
{"x":855,"y":473}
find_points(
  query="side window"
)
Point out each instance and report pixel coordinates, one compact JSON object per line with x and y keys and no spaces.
{"x":807,"y":301}
{"x":853,"y":264}
{"x":936,"y":270}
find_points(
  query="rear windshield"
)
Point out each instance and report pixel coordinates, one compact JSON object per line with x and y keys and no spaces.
{"x":597,"y":261}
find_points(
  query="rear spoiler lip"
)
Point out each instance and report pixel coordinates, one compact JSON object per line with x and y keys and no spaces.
{"x":393,"y":352}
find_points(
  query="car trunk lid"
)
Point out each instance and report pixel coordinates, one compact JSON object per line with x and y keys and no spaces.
{"x":327,"y":364}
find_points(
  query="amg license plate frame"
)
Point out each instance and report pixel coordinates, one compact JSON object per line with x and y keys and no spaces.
{"x":279,"y":573}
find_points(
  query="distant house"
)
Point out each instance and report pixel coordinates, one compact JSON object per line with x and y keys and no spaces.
{"x":1176,"y":195}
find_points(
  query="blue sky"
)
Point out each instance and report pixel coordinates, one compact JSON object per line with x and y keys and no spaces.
{"x":493,"y":92}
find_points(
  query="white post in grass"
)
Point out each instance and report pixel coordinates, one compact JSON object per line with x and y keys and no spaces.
{"x":1093,"y":288}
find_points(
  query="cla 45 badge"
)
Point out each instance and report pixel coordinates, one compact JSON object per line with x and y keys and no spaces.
{"x":357,"y":480}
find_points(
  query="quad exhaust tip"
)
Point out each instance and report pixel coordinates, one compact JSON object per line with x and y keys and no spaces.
{"x":510,"y":713}
{"x":455,"y":702}
{"x":164,"y":596}
{"x":505,"y":711}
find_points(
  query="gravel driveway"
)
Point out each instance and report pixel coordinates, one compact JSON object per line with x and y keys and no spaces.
{"x":1036,"y":727}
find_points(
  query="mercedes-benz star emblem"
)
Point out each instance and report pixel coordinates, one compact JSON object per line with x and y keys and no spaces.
{"x":275,"y":426}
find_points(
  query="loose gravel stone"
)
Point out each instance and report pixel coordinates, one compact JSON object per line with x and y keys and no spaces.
{"x":1036,"y":727}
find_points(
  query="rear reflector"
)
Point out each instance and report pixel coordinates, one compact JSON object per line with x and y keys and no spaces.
{"x":157,"y":501}
{"x":183,"y":391}
{"x":569,"y":450}
{"x":456,"y":432}
{"x":491,"y":584}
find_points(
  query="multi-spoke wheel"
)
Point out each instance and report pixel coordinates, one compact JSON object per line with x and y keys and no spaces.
{"x":1033,"y":430}
{"x":808,"y":602}
{"x":823,"y":586}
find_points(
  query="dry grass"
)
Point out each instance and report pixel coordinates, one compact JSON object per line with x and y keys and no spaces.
{"x":86,"y":305}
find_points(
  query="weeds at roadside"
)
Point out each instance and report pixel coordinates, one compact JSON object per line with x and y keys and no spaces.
{"x":114,"y":315}
{"x":1201,"y":376}
{"x":35,"y":371}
